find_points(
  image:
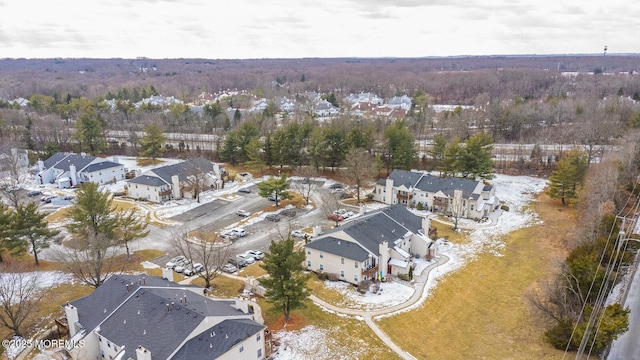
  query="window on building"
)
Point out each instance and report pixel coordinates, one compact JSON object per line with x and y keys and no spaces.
{"x":308,"y":252}
{"x":308,"y":263}
{"x":321,"y":267}
{"x":341,"y":273}
{"x":258,"y":337}
{"x":471,"y":206}
{"x":259,"y":353}
{"x":341,"y":260}
{"x":108,"y":344}
{"x":241,"y":348}
{"x":356,"y":264}
{"x":321,"y":256}
{"x":355,"y":278}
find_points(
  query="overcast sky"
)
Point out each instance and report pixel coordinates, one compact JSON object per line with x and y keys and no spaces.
{"x":219,"y":29}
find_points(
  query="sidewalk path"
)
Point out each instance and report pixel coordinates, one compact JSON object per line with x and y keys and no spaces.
{"x":368,"y":316}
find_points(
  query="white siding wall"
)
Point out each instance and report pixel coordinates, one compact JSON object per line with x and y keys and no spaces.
{"x":252,"y":349}
{"x":106,"y":175}
{"x":333,"y":264}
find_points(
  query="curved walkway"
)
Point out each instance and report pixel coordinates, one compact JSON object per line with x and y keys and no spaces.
{"x":368,"y":316}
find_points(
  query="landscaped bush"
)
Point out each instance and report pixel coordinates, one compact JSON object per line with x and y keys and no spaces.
{"x":419,"y":207}
{"x":504,"y":207}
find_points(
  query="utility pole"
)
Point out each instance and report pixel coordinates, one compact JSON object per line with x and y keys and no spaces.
{"x":604,"y":55}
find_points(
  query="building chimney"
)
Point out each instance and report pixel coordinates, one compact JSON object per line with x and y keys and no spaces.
{"x":142,"y":353}
{"x":40,"y":165}
{"x":167,"y":274}
{"x":426,"y":224}
{"x":73,"y":175}
{"x":71,"y":313}
{"x":242,"y":305}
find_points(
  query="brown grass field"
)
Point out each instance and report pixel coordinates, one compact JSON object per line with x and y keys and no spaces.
{"x":481,"y":310}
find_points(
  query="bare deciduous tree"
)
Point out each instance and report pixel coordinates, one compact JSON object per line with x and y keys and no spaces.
{"x":19,"y":296}
{"x":306,"y":187}
{"x":212,"y":254}
{"x":360,"y":168}
{"x":90,"y":257}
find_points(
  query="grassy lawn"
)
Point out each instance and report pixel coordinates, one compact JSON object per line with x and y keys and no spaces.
{"x":318,"y":289}
{"x":224,"y":287}
{"x":345,"y":335}
{"x":481,"y":311}
{"x":252,"y":270}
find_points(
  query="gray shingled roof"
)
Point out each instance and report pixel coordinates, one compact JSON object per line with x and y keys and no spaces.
{"x":101,"y":166}
{"x":148,"y":180}
{"x":404,"y":177}
{"x":347,"y":249}
{"x":390,"y":224}
{"x":148,"y":323}
{"x":432,"y":184}
{"x":447,"y":185}
{"x":184,"y":169}
{"x":142,"y":311}
{"x":219,"y":339}
{"x":54,"y":159}
{"x":79,"y":161}
{"x":93,"y":308}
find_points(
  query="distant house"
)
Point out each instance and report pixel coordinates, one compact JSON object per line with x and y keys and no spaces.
{"x":403,"y":102}
{"x":145,"y":318}
{"x":70,"y":170}
{"x":176,"y":181}
{"x":324,"y":108}
{"x":474,"y":199}
{"x":372,"y":246}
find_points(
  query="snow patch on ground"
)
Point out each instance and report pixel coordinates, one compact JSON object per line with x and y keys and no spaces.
{"x":389,"y":294}
{"x":43,"y":279}
{"x":311,"y":342}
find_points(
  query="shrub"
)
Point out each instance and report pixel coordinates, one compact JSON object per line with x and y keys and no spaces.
{"x":504,"y":207}
{"x":419,"y":207}
{"x":405,"y":277}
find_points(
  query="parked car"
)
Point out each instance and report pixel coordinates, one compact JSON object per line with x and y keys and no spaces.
{"x":272,"y":217}
{"x":175,"y":261}
{"x":256,"y":254}
{"x":47,"y":199}
{"x":181,"y":267}
{"x":344,"y":213}
{"x":69,"y":197}
{"x":33,"y":193}
{"x":241,"y":232}
{"x":342,"y":194}
{"x":245,"y":190}
{"x":288,"y":212}
{"x":248,"y":259}
{"x":299,"y":234}
{"x":195,"y":269}
{"x":229,"y":268}
{"x":335,"y":217}
{"x":229,"y":234}
{"x":239,"y":262}
{"x":243,"y":213}
{"x":335,"y":186}
{"x":271,"y":198}
{"x":305,"y":180}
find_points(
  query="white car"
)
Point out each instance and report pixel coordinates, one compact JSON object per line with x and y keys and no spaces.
{"x":299,"y":234}
{"x":182,"y":267}
{"x":239,"y":232}
{"x":256,"y":254}
{"x":243,"y":213}
{"x":229,"y":268}
{"x":175,"y":261}
{"x":248,"y":259}
{"x":192,"y":270}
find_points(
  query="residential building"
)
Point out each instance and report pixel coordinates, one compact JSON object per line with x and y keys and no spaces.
{"x":403,"y":102}
{"x":467,"y":198}
{"x":372,"y":246}
{"x":148,"y":318}
{"x":176,"y":181}
{"x":70,"y":170}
